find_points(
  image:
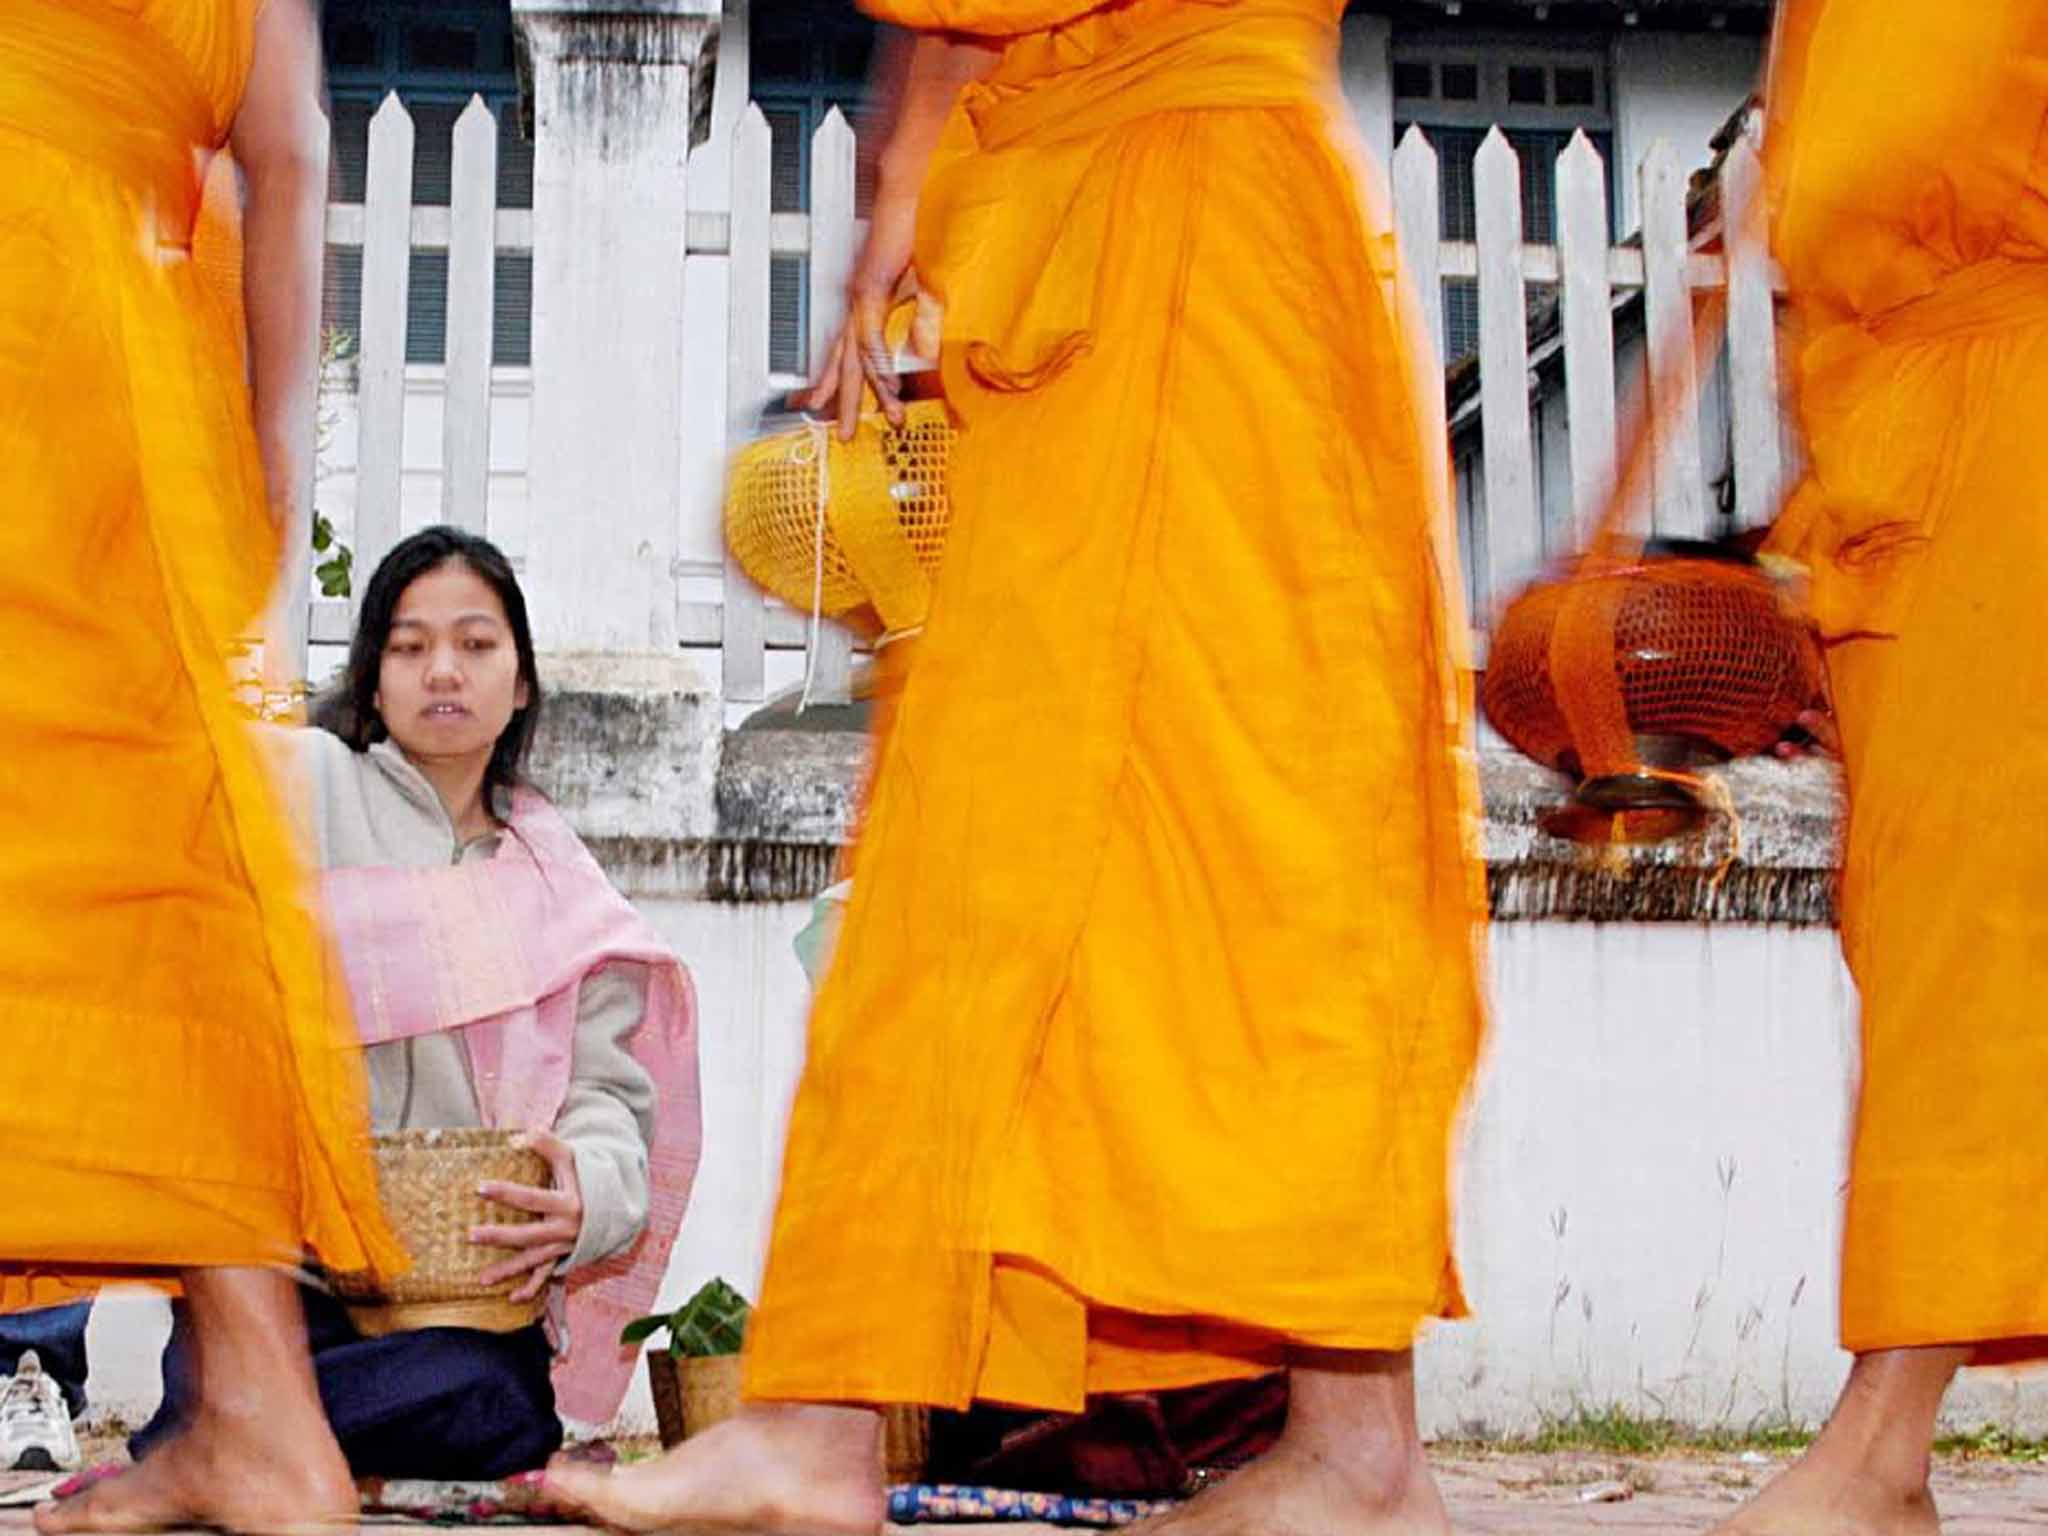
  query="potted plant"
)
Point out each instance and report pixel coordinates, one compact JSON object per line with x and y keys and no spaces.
{"x":696,"y":1377}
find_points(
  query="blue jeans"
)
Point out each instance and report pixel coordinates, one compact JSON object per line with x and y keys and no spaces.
{"x":57,"y":1335}
{"x":449,"y":1403}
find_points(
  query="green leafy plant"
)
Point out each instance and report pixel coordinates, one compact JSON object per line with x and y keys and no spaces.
{"x":711,"y":1323}
{"x":336,"y":573}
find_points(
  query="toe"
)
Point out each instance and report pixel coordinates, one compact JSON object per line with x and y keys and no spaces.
{"x":603,"y":1495}
{"x":89,"y":1509}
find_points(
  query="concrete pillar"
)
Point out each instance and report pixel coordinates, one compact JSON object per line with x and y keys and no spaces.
{"x":628,"y":742}
{"x":705,"y":441}
{"x":1366,"y":69}
{"x":612,"y":86}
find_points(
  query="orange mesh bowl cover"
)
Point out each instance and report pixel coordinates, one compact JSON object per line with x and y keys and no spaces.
{"x":1703,"y":650}
{"x":886,"y":514}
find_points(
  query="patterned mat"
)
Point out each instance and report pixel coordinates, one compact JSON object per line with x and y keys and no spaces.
{"x":523,"y":1500}
{"x":946,"y":1504}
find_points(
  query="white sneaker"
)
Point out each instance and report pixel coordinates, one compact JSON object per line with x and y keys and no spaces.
{"x":35,"y":1424}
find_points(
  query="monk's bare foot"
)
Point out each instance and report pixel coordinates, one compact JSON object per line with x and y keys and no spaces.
{"x":782,"y":1468}
{"x":259,"y":1478}
{"x":1825,"y":1494}
{"x":1304,"y":1489}
{"x":1866,"y":1473}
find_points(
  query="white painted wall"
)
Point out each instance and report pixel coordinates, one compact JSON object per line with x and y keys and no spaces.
{"x":1651,"y":1175}
{"x":1649,"y":1188}
{"x":1680,"y":86}
{"x":1366,"y":73}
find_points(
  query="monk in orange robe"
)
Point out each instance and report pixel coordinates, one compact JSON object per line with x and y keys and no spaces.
{"x":1908,"y":167}
{"x":1157,"y":995}
{"x":186,"y":1102}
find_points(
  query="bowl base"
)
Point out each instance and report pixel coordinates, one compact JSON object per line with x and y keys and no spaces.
{"x":491,"y":1314}
{"x":1627,"y":809}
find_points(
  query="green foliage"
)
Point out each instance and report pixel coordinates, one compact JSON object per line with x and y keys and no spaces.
{"x":336,"y":347}
{"x":711,"y":1323}
{"x":336,"y":572}
{"x":1992,"y":1443}
{"x":1615,"y":1429}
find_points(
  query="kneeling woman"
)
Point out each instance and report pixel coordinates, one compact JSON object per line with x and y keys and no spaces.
{"x":498,"y":979}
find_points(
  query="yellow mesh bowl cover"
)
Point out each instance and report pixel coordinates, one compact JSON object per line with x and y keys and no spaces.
{"x":885,"y":514}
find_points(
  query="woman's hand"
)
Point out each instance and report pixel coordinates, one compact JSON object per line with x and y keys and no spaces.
{"x":538,"y":1245}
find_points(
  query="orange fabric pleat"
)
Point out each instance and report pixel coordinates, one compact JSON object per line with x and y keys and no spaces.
{"x":1140,"y":1055}
{"x":1912,"y":223}
{"x":188,"y":1094}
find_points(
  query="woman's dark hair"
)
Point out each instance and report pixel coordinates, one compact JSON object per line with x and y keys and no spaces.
{"x":349,"y":709}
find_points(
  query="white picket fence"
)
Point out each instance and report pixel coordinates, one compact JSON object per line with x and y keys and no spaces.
{"x":1592,"y":274}
{"x":388,"y":228}
{"x":1590,"y":269}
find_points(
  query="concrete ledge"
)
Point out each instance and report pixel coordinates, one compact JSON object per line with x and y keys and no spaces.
{"x":787,"y":800}
{"x":634,"y":751}
{"x":788,"y":787}
{"x":623,"y":13}
{"x":629,"y":749}
{"x":1775,"y":864}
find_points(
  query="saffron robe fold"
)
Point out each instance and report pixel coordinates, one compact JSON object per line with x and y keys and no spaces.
{"x":189,"y":1091}
{"x":1911,"y":219}
{"x":1140,"y":1053}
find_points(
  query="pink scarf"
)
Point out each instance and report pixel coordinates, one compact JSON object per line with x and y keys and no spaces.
{"x":499,"y":948}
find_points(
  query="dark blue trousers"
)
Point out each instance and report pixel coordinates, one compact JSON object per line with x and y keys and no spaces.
{"x":57,"y":1335}
{"x":452,"y":1403}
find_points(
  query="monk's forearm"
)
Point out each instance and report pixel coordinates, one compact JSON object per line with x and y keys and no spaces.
{"x":283,"y":236}
{"x":925,"y":79}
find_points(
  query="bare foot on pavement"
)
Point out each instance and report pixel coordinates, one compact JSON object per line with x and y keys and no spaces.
{"x":786,"y":1469}
{"x":1826,"y":1494}
{"x":258,"y":1478}
{"x":1299,"y":1490}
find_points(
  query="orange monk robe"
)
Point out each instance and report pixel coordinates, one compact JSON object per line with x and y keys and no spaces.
{"x":217,"y":236}
{"x":1156,"y":1000}
{"x":182,"y":1092}
{"x":1908,"y":163}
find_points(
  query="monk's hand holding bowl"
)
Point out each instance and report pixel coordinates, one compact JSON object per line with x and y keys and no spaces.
{"x":916,"y":85}
{"x":860,"y":357}
{"x":539,"y":1246}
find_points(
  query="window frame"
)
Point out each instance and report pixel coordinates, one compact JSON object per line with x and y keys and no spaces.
{"x":810,"y":98}
{"x":367,"y":86}
{"x":1493,"y":62}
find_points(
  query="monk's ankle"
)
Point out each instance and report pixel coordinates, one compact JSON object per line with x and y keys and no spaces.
{"x":1374,"y":1471}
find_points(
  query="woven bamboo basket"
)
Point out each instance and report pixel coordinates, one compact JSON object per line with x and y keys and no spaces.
{"x":428,"y":1182}
{"x":884,"y":517}
{"x":692,"y":1395}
